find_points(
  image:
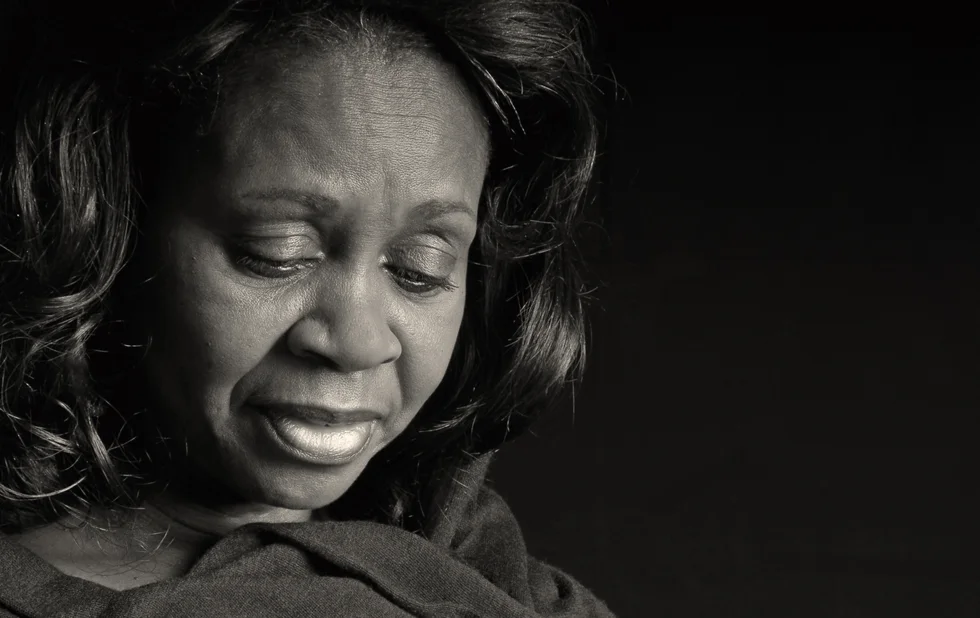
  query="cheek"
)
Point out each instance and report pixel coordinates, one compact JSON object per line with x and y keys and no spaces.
{"x":428,"y":339}
{"x":208,"y":332}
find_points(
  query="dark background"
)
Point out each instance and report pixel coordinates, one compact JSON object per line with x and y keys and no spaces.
{"x":777,"y":418}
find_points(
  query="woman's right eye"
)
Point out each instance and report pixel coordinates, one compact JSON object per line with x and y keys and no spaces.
{"x":274,"y":269}
{"x":275,"y":258}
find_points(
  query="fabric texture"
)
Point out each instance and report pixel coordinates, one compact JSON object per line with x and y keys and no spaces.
{"x":474,"y":563}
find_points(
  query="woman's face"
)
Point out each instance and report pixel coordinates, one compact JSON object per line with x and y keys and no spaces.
{"x":312,"y":260}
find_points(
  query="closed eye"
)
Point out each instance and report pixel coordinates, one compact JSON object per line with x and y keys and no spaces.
{"x":418,"y":282}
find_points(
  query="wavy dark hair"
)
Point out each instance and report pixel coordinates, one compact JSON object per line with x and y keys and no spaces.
{"x":103,"y":87}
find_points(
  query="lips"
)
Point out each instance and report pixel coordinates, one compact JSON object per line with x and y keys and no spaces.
{"x":320,"y":415}
{"x":318,"y":434}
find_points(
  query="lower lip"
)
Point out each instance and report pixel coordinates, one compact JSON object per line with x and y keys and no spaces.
{"x":321,"y":444}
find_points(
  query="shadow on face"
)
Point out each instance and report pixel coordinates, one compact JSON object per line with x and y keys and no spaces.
{"x":312,"y":252}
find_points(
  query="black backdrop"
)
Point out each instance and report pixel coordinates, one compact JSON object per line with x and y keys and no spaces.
{"x":777,"y":415}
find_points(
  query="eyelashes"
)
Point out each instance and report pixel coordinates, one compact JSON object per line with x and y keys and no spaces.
{"x":273,"y":269}
{"x":420,"y":283}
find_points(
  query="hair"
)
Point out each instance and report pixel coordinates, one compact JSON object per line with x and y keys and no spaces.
{"x":98,"y":91}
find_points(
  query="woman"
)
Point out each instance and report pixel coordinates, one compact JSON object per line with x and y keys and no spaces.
{"x":280,"y":276}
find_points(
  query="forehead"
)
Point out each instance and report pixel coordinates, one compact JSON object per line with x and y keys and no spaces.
{"x":353,"y":121}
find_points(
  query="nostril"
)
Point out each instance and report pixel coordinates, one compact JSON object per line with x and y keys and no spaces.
{"x":346,"y":347}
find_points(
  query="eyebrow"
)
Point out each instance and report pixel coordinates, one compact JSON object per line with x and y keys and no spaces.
{"x":322,"y":204}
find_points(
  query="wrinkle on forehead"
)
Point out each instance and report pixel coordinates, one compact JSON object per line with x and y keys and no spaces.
{"x":355,"y":126}
{"x":285,"y":89}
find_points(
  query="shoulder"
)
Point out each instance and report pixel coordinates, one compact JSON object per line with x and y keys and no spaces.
{"x":479,"y":528}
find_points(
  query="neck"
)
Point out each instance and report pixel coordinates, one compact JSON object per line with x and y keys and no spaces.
{"x":181,"y":520}
{"x":198,"y":507}
{"x":163,"y":538}
{"x":197,"y":521}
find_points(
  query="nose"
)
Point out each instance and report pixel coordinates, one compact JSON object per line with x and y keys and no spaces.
{"x":348,"y":330}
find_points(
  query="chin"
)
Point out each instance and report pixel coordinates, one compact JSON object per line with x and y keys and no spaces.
{"x":302,"y":488}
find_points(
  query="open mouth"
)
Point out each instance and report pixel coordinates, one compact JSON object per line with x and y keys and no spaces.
{"x":318,"y":441}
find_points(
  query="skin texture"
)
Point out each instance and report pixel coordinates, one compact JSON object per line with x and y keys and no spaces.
{"x":368,"y":144}
{"x":342,"y":165}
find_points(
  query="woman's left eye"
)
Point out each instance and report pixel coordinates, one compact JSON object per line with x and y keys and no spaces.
{"x":418,"y":282}
{"x":421,"y":269}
